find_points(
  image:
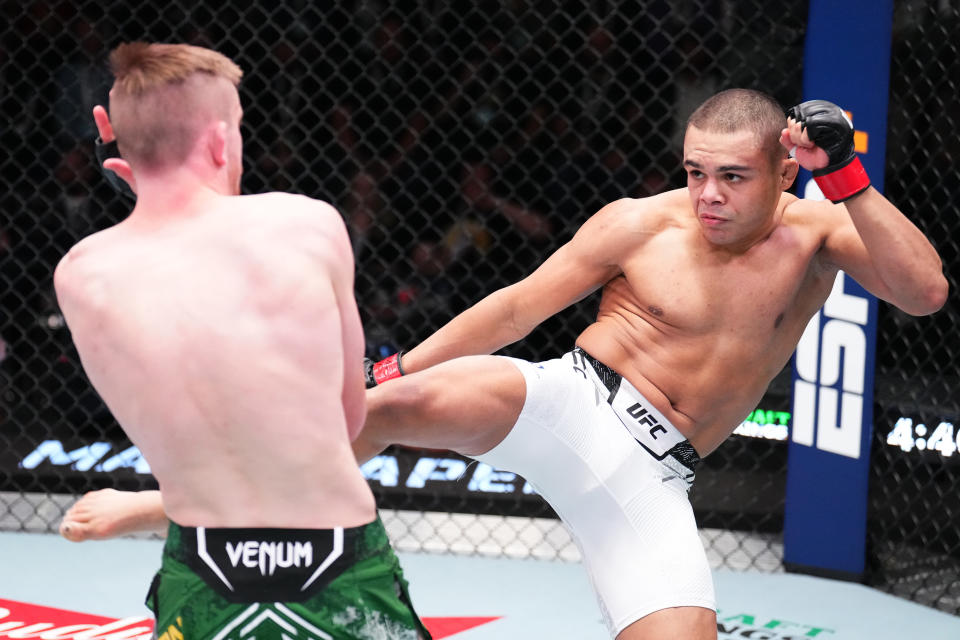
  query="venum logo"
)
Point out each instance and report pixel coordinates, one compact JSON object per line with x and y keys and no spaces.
{"x":831,"y":370}
{"x":270,"y":555}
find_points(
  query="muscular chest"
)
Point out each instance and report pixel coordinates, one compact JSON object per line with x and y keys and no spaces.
{"x":755,"y":294}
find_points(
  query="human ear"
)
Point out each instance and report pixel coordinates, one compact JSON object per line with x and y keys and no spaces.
{"x":217,"y":143}
{"x":788,"y":173}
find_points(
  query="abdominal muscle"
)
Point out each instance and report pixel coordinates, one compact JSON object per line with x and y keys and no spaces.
{"x":703,"y":399}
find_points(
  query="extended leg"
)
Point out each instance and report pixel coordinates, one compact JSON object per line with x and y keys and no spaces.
{"x":467,"y":405}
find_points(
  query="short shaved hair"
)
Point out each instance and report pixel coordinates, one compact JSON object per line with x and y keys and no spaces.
{"x":737,"y":110}
{"x":162,"y":97}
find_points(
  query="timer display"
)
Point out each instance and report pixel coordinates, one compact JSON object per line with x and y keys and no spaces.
{"x":909,"y":436}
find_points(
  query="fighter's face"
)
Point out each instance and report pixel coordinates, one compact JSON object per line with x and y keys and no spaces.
{"x":733,"y":188}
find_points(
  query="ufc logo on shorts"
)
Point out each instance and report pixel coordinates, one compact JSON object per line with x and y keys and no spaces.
{"x":643,"y":417}
{"x":644,"y":422}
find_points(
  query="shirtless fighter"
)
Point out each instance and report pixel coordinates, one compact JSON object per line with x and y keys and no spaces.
{"x":610,"y":433}
{"x":222,"y":332}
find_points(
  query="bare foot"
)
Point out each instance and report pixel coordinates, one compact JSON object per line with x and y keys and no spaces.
{"x":108,"y":513}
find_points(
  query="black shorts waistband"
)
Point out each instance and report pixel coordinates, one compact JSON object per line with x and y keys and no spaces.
{"x":272,"y":565}
{"x":648,"y":426}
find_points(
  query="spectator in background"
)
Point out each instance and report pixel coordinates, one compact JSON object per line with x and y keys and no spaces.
{"x":72,"y":194}
{"x":693,"y":82}
{"x":79,"y":83}
{"x":278,"y":168}
{"x":494,"y":232}
{"x":369,"y":218}
{"x":477,"y":191}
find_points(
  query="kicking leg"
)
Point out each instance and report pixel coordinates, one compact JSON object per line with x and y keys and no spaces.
{"x":467,"y":405}
{"x":692,"y":623}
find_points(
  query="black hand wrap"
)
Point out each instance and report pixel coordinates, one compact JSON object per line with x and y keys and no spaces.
{"x":368,"y":373}
{"x":105,"y":151}
{"x":379,"y":372}
{"x":828,"y":128}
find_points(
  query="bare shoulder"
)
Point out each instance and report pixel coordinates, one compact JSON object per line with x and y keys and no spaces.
{"x":618,"y":230}
{"x":296,"y":224}
{"x":818,"y":217}
{"x":85,"y":255}
{"x":292,"y":208}
{"x":643,"y":215}
{"x":75,"y":276}
{"x":294,"y":216}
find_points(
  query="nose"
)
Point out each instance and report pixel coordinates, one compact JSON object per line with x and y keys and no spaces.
{"x":711,"y":193}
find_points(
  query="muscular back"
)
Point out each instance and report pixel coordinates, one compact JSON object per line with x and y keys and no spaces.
{"x":703,"y":332}
{"x":217,"y":340}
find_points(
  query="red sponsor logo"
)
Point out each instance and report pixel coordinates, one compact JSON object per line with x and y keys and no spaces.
{"x":23,"y":620}
{"x":446,"y":627}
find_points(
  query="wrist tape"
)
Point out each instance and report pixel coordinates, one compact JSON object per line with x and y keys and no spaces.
{"x":388,"y":369}
{"x":843,"y":183}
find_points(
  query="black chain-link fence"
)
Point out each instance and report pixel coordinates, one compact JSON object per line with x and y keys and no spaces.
{"x":462,"y":142}
{"x":914,"y":517}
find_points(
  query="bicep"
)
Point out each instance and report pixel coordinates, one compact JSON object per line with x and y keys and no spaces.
{"x":843,"y":248}
{"x":587,"y":262}
{"x":563,"y":279}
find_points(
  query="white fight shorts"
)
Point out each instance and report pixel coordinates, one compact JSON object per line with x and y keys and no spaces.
{"x":617,"y":473}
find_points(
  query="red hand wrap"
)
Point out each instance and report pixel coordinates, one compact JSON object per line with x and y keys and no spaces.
{"x":387,"y":369}
{"x":844,"y":183}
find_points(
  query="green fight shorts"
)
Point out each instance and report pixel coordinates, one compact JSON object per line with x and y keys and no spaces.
{"x":323,"y":584}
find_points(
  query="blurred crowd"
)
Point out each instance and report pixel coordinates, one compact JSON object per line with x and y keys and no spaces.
{"x":462,"y":142}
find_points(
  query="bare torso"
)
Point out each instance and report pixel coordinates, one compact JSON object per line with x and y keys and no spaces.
{"x":701,"y":333}
{"x":216,"y":341}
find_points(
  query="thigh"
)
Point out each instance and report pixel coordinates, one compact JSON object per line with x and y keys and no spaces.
{"x":690,"y":623}
{"x":468,"y":405}
{"x":648,"y":558}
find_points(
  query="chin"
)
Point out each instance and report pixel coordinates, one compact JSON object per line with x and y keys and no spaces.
{"x":713,"y":236}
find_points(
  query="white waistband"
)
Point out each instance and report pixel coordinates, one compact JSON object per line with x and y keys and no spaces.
{"x":644,"y":421}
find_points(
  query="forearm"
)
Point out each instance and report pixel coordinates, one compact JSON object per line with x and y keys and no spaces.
{"x":899,"y":264}
{"x":904,"y":259}
{"x":484,"y":328}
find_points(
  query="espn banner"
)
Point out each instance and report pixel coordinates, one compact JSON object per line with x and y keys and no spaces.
{"x":846,"y":61}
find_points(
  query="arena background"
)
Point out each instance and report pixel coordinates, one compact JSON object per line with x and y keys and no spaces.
{"x":463,"y":142}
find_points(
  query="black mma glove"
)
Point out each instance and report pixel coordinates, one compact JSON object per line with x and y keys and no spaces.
{"x":105,"y":151}
{"x":379,"y":372}
{"x":828,"y":128}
